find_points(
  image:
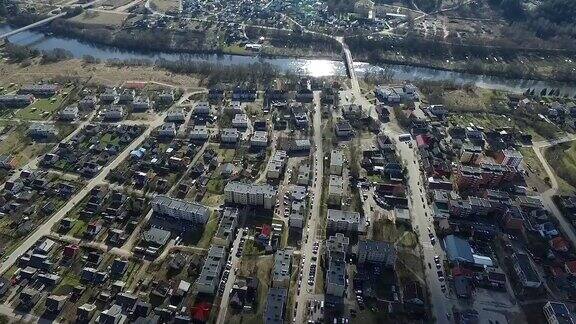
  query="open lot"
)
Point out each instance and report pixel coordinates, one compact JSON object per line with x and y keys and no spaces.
{"x":562,"y":159}
{"x":92,"y":17}
{"x":165,"y":5}
{"x":261,"y":268}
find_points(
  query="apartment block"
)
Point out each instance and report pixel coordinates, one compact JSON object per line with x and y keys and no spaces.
{"x":247,"y":194}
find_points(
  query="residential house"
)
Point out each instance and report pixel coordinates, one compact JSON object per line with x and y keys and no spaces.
{"x":259,"y":139}
{"x":40,"y":90}
{"x":202,"y":108}
{"x":16,"y":101}
{"x":167,"y":130}
{"x":45,"y":131}
{"x":229,"y":135}
{"x":141,"y":103}
{"x":335,"y":190}
{"x":88,"y":102}
{"x":69,"y":113}
{"x":343,"y":129}
{"x":276,"y":164}
{"x":199,"y":133}
{"x":114,"y":112}
{"x":175,"y":115}
{"x":240,"y":121}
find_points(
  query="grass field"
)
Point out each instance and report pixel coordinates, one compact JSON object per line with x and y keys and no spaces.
{"x":260,"y":267}
{"x":111,"y":19}
{"x":166,"y":5}
{"x":209,"y":230}
{"x":18,"y":144}
{"x":115,"y":3}
{"x":41,"y":109}
{"x":562,"y":159}
{"x":387,"y":231}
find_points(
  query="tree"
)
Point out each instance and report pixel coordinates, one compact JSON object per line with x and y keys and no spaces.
{"x":512,"y":9}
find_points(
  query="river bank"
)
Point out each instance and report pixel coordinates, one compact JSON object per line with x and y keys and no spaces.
{"x":543,"y":71}
{"x":534,"y":64}
{"x":300,"y":66}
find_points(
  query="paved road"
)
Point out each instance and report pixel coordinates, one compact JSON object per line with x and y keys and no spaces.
{"x":45,"y":228}
{"x":421,"y":212}
{"x":312,"y":225}
{"x":421,"y":221}
{"x":231,"y":278}
{"x":43,"y":21}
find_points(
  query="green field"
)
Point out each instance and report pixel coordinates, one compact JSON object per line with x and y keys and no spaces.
{"x":562,"y":159}
{"x":41,"y":109}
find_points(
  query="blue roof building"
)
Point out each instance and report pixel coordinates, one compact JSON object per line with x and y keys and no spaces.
{"x":458,"y":250}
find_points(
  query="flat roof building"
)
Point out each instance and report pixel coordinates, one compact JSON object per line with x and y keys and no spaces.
{"x":336,"y":162}
{"x":343,"y":221}
{"x":275,"y":306}
{"x":227,"y":225}
{"x":250,"y":194}
{"x":376,"y":252}
{"x":209,"y":277}
{"x":281,"y":270}
{"x":180,"y":209}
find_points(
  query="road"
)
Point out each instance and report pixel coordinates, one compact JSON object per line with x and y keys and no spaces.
{"x":421,"y":212}
{"x":313,"y":223}
{"x":547,"y":196}
{"x":45,"y":228}
{"x":43,"y":21}
{"x":231,"y":278}
{"x":421,"y":221}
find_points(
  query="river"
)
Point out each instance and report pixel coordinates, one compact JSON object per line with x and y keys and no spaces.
{"x":312,"y":67}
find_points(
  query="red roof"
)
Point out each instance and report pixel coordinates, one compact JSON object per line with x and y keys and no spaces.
{"x":70,"y":250}
{"x":571,"y":267}
{"x":266,"y":230}
{"x":461,"y":271}
{"x":135,"y":84}
{"x":559,"y":244}
{"x":201,"y":312}
{"x":421,"y":140}
{"x":557,"y":271}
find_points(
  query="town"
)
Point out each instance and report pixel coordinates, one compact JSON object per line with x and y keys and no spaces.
{"x":286,"y":202}
{"x":145,"y":177}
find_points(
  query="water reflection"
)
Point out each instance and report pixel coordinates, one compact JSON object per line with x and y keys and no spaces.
{"x":312,"y":67}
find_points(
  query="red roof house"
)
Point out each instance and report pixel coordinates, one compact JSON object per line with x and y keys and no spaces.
{"x":559,"y":244}
{"x":570,"y":267}
{"x":70,"y":250}
{"x":201,"y":312}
